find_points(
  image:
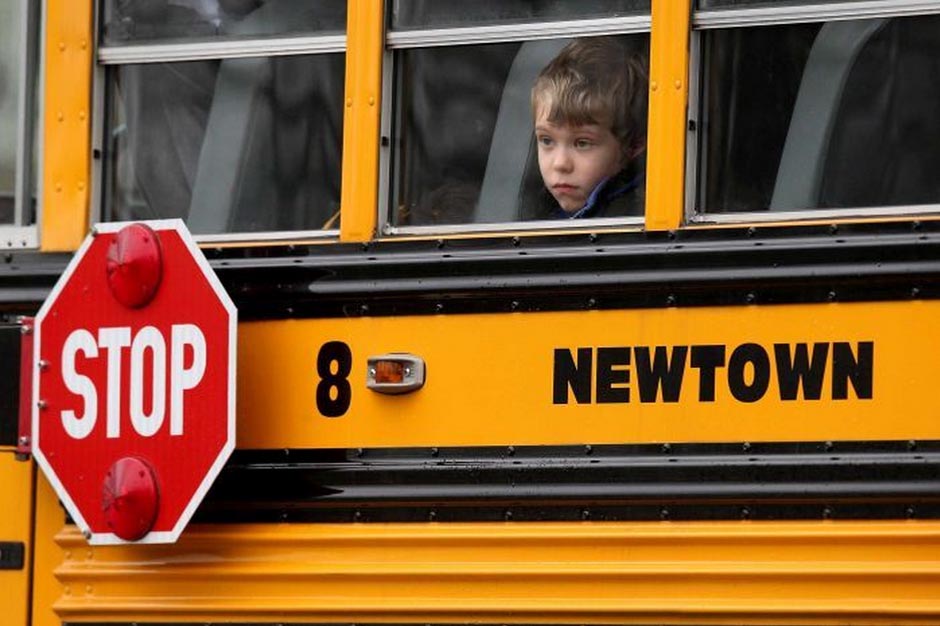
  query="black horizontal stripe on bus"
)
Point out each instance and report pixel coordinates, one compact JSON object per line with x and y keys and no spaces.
{"x":812,"y":480}
{"x":689,"y":267}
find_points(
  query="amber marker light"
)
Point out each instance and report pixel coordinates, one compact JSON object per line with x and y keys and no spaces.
{"x":395,"y":373}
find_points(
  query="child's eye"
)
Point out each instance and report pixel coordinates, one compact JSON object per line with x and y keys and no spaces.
{"x":544,"y":140}
{"x":583,"y":143}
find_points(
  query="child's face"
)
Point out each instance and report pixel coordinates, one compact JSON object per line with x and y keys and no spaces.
{"x":574,"y":159}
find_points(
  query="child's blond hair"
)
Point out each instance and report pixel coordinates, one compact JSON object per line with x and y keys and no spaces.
{"x":596,"y":80}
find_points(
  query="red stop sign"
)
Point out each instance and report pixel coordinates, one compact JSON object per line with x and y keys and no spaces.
{"x":134,"y":382}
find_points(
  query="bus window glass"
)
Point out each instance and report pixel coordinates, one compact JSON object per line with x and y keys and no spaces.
{"x":727,"y":4}
{"x":232,"y":145}
{"x":821,"y":116}
{"x":146,"y":21}
{"x":463,"y":143}
{"x":10,"y":59}
{"x":420,"y":14}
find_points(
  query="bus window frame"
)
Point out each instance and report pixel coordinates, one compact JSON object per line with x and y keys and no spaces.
{"x":26,"y":189}
{"x":397,"y":40}
{"x":727,"y":18}
{"x":257,"y":46}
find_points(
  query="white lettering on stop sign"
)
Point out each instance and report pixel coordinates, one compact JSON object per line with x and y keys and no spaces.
{"x":150,"y":340}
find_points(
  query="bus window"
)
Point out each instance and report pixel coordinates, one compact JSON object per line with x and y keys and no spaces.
{"x":235,"y":136}
{"x":832,"y":115}
{"x":461,"y":143}
{"x":18,"y":21}
{"x":128,"y":22}
{"x":451,"y":13}
{"x":717,"y":4}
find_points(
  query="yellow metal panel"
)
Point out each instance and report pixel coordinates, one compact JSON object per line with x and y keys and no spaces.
{"x":67,"y":148}
{"x":669,"y":70}
{"x":49,"y":521}
{"x":364,"y":48}
{"x":658,"y":572}
{"x":490,"y":378}
{"x":16,"y":487}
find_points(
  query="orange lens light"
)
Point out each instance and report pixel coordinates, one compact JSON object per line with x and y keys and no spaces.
{"x":389,"y":372}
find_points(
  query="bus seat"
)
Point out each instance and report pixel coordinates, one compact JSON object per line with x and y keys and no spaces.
{"x":803,"y":161}
{"x":236,"y":184}
{"x":511,"y":148}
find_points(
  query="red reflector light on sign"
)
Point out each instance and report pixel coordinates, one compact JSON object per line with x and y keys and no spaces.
{"x":130,"y":499}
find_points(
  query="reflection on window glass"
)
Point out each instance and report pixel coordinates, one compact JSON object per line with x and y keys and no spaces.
{"x":468,"y":149}
{"x":453,"y":13}
{"x":239,"y":145}
{"x":136,"y":21}
{"x":833,"y":115}
{"x":10,"y":59}
{"x":721,"y":4}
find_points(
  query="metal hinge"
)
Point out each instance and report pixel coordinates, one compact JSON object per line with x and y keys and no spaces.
{"x":24,"y":439}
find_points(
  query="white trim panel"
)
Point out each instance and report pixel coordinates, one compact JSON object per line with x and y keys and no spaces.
{"x":238,"y":48}
{"x":766,"y":16}
{"x":516,"y":32}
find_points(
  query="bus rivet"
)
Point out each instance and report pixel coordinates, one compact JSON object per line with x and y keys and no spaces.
{"x":654,"y":86}
{"x":678,"y":84}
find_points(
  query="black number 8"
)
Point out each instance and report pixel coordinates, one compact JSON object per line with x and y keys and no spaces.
{"x":338,"y":352}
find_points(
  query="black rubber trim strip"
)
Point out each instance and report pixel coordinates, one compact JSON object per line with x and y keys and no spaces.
{"x":846,"y":480}
{"x":10,"y":337}
{"x":690,"y":267}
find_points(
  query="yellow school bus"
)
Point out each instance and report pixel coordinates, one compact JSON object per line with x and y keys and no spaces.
{"x":453,"y":411}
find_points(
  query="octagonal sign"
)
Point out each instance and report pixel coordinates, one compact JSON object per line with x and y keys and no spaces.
{"x":134,"y":382}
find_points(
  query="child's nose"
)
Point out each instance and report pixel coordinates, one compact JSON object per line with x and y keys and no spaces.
{"x":563,"y":159}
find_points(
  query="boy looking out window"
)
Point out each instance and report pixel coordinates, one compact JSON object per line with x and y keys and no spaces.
{"x":589,"y":105}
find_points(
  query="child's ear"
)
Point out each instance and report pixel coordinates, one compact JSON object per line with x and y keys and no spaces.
{"x":635,"y":150}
